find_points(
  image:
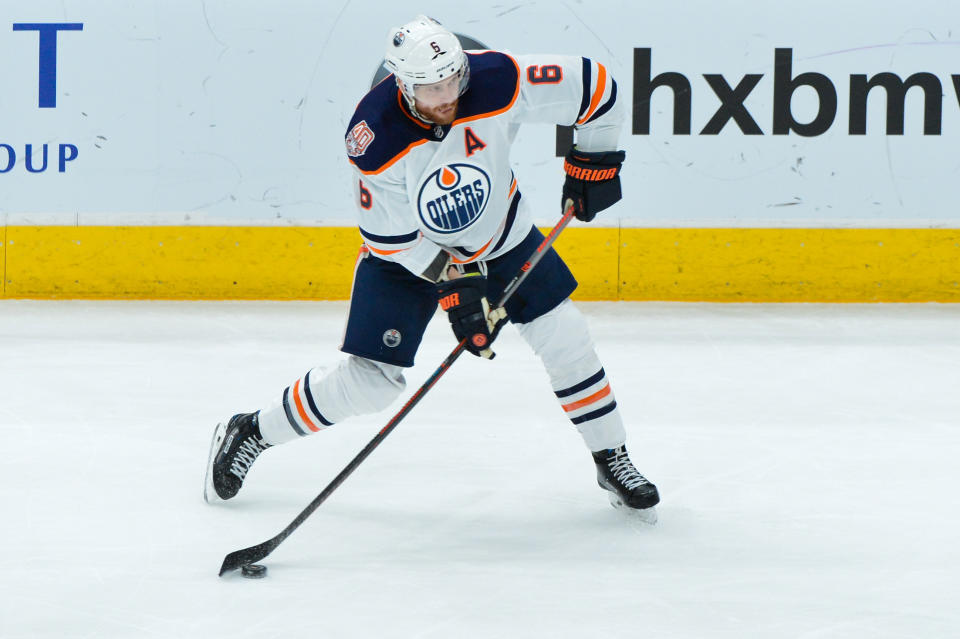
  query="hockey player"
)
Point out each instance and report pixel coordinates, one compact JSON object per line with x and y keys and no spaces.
{"x":442,"y":219}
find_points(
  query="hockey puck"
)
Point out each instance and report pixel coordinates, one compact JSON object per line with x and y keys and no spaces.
{"x":253,"y":571}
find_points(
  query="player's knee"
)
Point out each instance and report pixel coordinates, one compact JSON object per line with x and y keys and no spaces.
{"x":378,"y":384}
{"x":561,"y":337}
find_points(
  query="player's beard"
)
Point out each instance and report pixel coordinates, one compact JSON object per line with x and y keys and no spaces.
{"x":443,"y":114}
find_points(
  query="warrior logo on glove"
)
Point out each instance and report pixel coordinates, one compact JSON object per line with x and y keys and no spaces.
{"x":465,"y":301}
{"x":593,"y":181}
{"x":449,"y":301}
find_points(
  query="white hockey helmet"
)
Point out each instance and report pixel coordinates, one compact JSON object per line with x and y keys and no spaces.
{"x":424,"y":52}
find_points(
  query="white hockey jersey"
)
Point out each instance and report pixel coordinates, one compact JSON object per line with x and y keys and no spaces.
{"x":426,"y":192}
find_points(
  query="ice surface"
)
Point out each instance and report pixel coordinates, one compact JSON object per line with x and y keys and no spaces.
{"x":807,"y":457}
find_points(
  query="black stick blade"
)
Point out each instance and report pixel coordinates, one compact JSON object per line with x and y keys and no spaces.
{"x":250,"y":555}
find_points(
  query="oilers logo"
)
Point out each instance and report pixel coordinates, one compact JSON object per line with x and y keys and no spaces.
{"x":453,"y":197}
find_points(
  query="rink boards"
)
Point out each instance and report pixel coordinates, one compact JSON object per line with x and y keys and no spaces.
{"x":664,"y":264}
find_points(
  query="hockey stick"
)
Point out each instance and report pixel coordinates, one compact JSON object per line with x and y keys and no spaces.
{"x":253,"y":554}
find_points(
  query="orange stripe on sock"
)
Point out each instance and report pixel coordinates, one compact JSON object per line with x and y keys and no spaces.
{"x":600,"y":394}
{"x":303,"y":413}
{"x":597,"y":94}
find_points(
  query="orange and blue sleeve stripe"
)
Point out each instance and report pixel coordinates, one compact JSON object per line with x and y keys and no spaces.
{"x":593,"y":92}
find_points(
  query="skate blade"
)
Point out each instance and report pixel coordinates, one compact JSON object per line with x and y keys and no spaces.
{"x":645,"y":515}
{"x":209,"y":492}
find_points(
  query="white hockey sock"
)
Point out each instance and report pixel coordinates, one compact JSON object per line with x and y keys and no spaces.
{"x":356,"y":386}
{"x":562,"y":340}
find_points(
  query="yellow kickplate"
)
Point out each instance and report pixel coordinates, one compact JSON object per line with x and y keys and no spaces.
{"x":167,"y":262}
{"x":677,"y":264}
{"x":790,"y":265}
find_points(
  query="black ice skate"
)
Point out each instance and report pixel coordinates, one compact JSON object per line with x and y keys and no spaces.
{"x":628,"y":488}
{"x":234,"y":448}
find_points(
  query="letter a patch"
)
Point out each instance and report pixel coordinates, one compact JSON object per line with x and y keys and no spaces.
{"x":472,"y":142}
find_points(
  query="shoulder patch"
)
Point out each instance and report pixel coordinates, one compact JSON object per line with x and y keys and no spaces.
{"x":359,"y":138}
{"x":378,"y":133}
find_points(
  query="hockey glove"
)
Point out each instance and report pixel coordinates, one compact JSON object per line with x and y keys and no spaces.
{"x":465,"y":301}
{"x":593,"y":181}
